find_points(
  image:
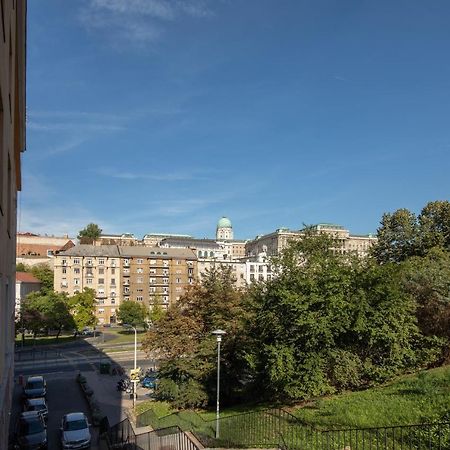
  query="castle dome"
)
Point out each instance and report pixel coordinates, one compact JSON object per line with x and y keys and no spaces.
{"x":224,"y":222}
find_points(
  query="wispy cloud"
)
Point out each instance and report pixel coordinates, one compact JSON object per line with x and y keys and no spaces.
{"x":139,"y":21}
{"x":169,"y":176}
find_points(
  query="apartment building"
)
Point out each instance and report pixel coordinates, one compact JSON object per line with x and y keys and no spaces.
{"x":154,"y":275}
{"x":25,"y":284}
{"x":95,"y":267}
{"x":12,"y":144}
{"x":273,"y":243}
{"x":143,"y":274}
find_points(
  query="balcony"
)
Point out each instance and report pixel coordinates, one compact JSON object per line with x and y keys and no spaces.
{"x":88,"y":264}
{"x":126,"y":274}
{"x":101,"y":295}
{"x":64,"y":284}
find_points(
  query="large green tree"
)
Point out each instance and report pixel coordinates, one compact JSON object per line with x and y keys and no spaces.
{"x":434,"y":224}
{"x":91,"y":232}
{"x":397,"y":236}
{"x":133,"y":313}
{"x":46,"y":311}
{"x":183,"y":339}
{"x":43,"y":272}
{"x":329,"y":321}
{"x":82,"y":307}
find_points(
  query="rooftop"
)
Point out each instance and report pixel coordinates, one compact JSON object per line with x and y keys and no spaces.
{"x":25,"y":277}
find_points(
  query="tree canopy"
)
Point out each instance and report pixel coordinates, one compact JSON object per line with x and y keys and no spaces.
{"x":133,"y":313}
{"x":92,"y":231}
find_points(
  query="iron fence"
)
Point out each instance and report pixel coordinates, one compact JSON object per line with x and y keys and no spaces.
{"x":278,"y":428}
{"x":123,"y":437}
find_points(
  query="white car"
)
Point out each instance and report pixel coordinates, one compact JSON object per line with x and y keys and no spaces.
{"x":75,"y":432}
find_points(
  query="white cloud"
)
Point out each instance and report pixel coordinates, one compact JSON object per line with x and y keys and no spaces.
{"x":170,"y":176}
{"x":138,"y":22}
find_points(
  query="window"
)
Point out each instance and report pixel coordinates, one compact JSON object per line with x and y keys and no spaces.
{"x":88,"y":280}
{"x":261,"y":269}
{"x":113,"y":263}
{"x":113,"y":271}
{"x":178,"y":289}
{"x":165,"y":281}
{"x":252,"y":268}
{"x":76,"y":281}
{"x":152,"y":262}
{"x":126,"y":290}
{"x":101,"y":310}
{"x":49,"y":252}
{"x":177,"y":262}
{"x":140,"y":270}
{"x":64,"y":262}
{"x":113,"y":281}
{"x":76,"y":270}
{"x":165,"y":290}
{"x":152,"y":270}
{"x":100,"y":302}
{"x":178,"y":280}
{"x":113,"y":293}
{"x":139,"y":280}
{"x":101,"y":261}
{"x":139,"y":260}
{"x":152,"y":289}
{"x":152,"y":280}
{"x":113,"y":301}
{"x":76,"y":260}
{"x":190,"y":271}
{"x":89,"y":262}
{"x":101,"y":271}
{"x":252,"y":277}
{"x":140,"y":290}
{"x":64,"y":270}
{"x":178,"y":271}
{"x":101,"y":281}
{"x":166,"y":299}
{"x":191,"y":280}
{"x":139,"y":298}
{"x":165,"y":272}
{"x":166,"y":263}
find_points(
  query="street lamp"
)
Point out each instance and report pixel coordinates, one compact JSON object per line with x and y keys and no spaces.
{"x":218,"y":334}
{"x":134,"y":381}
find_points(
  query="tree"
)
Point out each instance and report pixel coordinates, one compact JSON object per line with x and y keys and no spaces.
{"x":397,"y":237}
{"x":132,"y":313}
{"x":82,"y":307}
{"x":46,"y":311}
{"x":91,"y":232}
{"x":434,"y":223}
{"x":329,"y":321}
{"x":183,"y":338}
{"x":45,"y":275}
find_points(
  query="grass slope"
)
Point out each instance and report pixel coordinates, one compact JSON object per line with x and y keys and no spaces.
{"x":418,"y":398}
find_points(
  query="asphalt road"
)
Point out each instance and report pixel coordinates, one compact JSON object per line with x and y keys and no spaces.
{"x":63,"y":396}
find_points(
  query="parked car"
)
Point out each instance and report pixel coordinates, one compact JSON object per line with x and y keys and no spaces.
{"x":31,"y":432}
{"x":36,"y":404}
{"x":75,"y":432}
{"x":35,"y":387}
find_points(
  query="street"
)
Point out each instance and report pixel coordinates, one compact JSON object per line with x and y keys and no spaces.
{"x":60,"y":365}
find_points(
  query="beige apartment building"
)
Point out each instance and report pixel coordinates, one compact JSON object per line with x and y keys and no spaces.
{"x":95,"y":267}
{"x":12,"y":144}
{"x":154,"y":275}
{"x":143,"y":274}
{"x":273,"y":243}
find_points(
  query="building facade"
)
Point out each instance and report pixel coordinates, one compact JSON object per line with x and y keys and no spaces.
{"x":25,"y":284}
{"x":119,"y":273}
{"x":12,"y":144}
{"x":273,"y":243}
{"x":94,"y":267}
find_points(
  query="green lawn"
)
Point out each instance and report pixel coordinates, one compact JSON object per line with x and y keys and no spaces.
{"x":43,"y":340}
{"x":411,"y":399}
{"x":121,"y":336}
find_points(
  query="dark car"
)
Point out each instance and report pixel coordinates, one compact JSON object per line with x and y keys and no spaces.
{"x":31,"y":432}
{"x":35,"y":387}
{"x":36,"y":404}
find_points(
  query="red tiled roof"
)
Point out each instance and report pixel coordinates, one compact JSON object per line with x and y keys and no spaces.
{"x":25,"y":277}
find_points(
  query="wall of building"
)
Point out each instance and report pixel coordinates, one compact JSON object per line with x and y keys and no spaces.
{"x":12,"y":143}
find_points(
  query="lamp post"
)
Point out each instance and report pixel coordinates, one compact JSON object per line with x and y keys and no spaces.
{"x":218,"y":334}
{"x":134,"y":381}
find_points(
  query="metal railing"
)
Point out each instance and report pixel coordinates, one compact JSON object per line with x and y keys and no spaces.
{"x":123,"y":436}
{"x":278,"y":428}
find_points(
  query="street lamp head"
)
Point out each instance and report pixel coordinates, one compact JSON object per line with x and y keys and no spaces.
{"x":219,"y":334}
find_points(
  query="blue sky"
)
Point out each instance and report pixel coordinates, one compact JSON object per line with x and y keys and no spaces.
{"x":163,"y":115}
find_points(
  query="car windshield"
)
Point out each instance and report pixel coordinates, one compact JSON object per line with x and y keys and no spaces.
{"x":39,"y":407}
{"x":34,"y":384}
{"x":75,"y":425}
{"x":31,"y":426}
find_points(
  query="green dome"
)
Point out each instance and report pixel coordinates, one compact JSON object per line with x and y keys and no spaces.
{"x":224,"y":222}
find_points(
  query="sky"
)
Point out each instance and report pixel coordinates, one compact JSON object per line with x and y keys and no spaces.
{"x":164,"y":115}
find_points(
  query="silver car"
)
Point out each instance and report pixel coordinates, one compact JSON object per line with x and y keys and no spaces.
{"x":75,"y":431}
{"x":36,"y":404}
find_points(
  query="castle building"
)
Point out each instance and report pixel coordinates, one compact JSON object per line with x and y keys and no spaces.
{"x":273,"y":243}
